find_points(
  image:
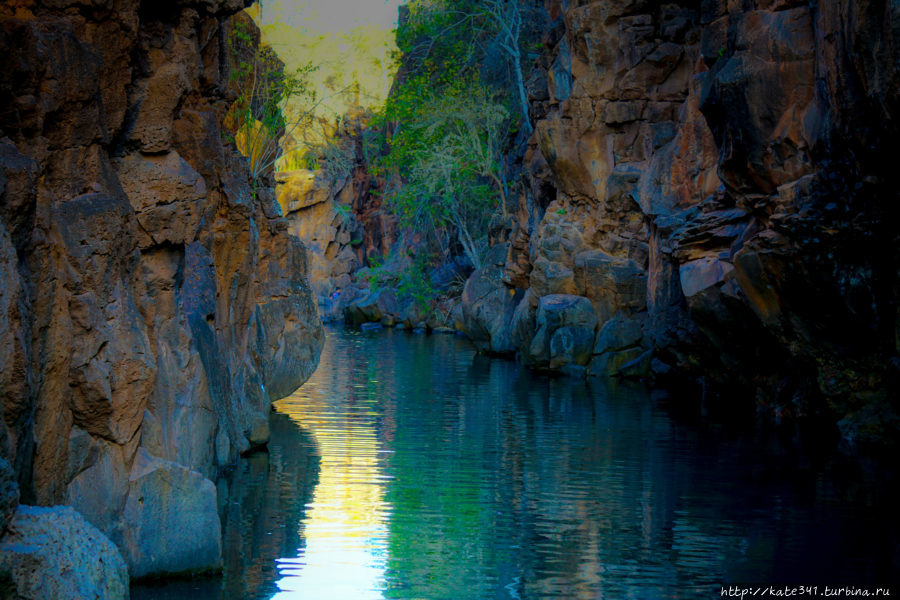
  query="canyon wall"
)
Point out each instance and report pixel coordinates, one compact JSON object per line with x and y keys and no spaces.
{"x":152,"y":303}
{"x":708,"y":192}
{"x":339,"y":217}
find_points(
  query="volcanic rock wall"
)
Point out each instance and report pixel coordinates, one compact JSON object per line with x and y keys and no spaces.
{"x":151,"y":305}
{"x":714,"y":178}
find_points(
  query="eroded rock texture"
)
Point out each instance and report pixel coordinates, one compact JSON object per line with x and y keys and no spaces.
{"x":52,"y":552}
{"x":151,"y":306}
{"x":715,"y":179}
{"x":338,"y":217}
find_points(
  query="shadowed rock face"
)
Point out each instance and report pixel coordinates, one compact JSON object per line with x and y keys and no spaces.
{"x":151,"y":306}
{"x":714,"y":178}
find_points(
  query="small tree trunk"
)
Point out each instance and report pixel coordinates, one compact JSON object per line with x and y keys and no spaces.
{"x":520,"y":83}
{"x":468,"y":245}
{"x":502,"y":190}
{"x":510,"y":24}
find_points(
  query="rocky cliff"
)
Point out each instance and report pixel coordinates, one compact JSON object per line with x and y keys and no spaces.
{"x":151,"y":305}
{"x":338,"y":213}
{"x":709,"y":193}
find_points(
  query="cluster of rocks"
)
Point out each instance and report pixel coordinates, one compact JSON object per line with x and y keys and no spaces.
{"x":152,"y":300}
{"x":369,"y":309}
{"x":598,"y":332}
{"x":706,"y":193}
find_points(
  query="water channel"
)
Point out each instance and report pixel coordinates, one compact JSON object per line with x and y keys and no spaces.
{"x":410,"y":467}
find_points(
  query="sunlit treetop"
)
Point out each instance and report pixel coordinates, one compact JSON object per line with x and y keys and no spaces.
{"x":350,"y":42}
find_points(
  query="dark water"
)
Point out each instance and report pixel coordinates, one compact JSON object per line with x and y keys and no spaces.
{"x":408,"y":467}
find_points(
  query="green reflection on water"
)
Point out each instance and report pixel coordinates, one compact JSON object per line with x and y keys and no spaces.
{"x":445,"y":475}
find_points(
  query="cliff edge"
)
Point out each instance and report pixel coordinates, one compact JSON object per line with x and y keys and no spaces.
{"x":152,"y":305}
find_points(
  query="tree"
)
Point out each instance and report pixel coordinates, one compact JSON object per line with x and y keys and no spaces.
{"x":446,"y":151}
{"x":257,"y":118}
{"x":458,"y":97}
{"x":506,"y":16}
{"x":462,"y":31}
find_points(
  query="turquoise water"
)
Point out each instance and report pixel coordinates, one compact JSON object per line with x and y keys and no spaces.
{"x":409,"y":467}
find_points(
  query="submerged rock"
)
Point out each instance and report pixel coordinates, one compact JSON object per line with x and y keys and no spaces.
{"x":52,"y":552}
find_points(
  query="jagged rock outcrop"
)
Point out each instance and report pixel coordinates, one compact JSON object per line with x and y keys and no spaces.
{"x":338,"y":216}
{"x":358,"y":254}
{"x":713,"y":178}
{"x":152,"y":304}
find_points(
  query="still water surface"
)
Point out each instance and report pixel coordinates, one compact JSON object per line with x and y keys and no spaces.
{"x":409,"y":467}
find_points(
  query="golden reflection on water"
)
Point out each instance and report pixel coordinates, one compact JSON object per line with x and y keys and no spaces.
{"x":346,"y":525}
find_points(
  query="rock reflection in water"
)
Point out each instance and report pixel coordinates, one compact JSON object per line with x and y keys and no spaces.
{"x":261,"y":503}
{"x":446,"y":475}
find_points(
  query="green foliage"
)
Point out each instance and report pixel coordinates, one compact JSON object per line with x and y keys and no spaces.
{"x":457,"y":103}
{"x":375,"y":275}
{"x":345,"y":211}
{"x":374,"y":279}
{"x":445,"y":155}
{"x":415,"y":281}
{"x":489,"y":37}
{"x":257,"y":118}
{"x":440,"y":36}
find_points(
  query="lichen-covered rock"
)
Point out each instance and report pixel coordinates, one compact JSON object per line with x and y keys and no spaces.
{"x":52,"y":552}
